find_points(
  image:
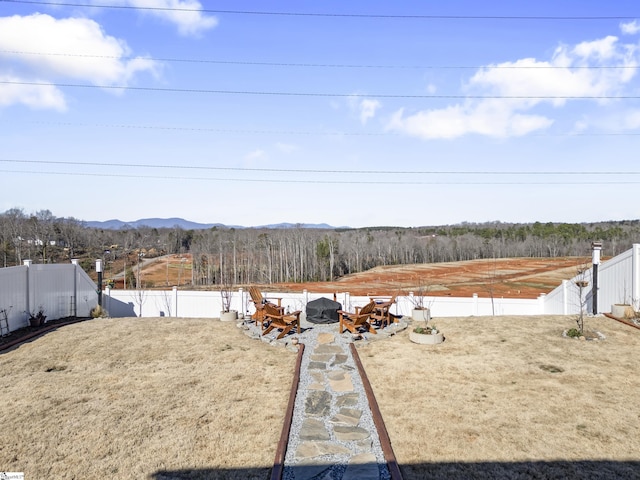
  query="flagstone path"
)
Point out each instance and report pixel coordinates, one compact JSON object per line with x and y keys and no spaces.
{"x":332,"y":436}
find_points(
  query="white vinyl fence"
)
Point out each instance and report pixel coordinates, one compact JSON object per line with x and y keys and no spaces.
{"x":61,"y":290}
{"x":618,"y":282}
{"x":67,"y":291}
{"x":199,"y":304}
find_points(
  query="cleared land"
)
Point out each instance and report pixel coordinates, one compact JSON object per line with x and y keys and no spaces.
{"x":505,"y":277}
{"x":153,"y":398}
{"x":509,"y":397}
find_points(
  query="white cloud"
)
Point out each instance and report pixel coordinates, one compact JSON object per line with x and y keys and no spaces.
{"x":490,"y":118}
{"x":529,"y":80}
{"x":630,"y":28}
{"x":44,"y":56}
{"x":599,"y":49}
{"x":187,"y":15}
{"x":34,"y":96}
{"x":368,"y":109}
{"x":364,"y":108}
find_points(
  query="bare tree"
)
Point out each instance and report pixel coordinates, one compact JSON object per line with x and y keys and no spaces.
{"x":582,"y":283}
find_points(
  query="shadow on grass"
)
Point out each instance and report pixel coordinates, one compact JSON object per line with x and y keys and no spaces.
{"x":580,"y":469}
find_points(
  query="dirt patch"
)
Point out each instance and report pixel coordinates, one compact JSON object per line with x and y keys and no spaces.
{"x":508,"y":278}
{"x":505,"y":277}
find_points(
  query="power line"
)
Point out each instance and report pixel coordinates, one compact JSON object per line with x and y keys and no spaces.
{"x":326,"y":94}
{"x":328,"y":171}
{"x":333,"y":15}
{"x":290,"y":132}
{"x":217,"y":130}
{"x":316,"y":181}
{"x":328,"y":65}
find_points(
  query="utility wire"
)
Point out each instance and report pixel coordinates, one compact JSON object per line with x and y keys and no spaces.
{"x":328,"y":65}
{"x":290,"y":132}
{"x":332,"y":15}
{"x":216,"y":130}
{"x":325,"y":94}
{"x":304,"y":170}
{"x":316,"y":181}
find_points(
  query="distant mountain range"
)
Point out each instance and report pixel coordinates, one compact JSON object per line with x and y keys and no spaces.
{"x":188,"y":225}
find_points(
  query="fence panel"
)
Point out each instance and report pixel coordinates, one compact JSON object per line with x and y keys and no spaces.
{"x":13,"y":298}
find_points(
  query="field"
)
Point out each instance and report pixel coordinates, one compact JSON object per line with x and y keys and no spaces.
{"x":162,"y":398}
{"x":507,"y":277}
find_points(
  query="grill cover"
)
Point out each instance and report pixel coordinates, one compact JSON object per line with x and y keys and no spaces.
{"x":323,"y":310}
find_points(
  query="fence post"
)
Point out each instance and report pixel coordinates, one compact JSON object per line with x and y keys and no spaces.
{"x":75,"y":263}
{"x":174,"y":290}
{"x":635,"y":276}
{"x":541,"y":303}
{"x":27,"y":263}
{"x":474,"y":310}
{"x":565,"y":297}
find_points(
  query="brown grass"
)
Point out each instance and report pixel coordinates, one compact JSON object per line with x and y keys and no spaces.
{"x":511,"y":389}
{"x":176,"y":398}
{"x":132,"y":398}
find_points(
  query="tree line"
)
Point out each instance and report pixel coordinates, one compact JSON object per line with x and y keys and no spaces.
{"x":241,"y":256}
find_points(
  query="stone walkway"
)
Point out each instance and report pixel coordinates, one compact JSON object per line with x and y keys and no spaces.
{"x":333,"y":436}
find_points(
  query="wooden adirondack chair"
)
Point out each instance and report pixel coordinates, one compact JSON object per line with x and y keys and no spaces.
{"x":280,"y":321}
{"x":357,"y":320}
{"x":382,"y":312}
{"x":259,"y":302}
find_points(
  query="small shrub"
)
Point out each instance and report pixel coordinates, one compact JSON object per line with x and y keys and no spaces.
{"x":573,"y":333}
{"x":99,"y":312}
{"x":425,"y":330}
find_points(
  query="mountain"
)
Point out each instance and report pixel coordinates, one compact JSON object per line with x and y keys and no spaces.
{"x":299,"y":225}
{"x":188,"y":225}
{"x":153,"y":223}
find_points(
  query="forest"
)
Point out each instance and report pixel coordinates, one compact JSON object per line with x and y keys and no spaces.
{"x":240,"y":256}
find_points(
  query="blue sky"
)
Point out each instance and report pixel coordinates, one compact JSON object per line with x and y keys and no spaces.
{"x":373,"y":113}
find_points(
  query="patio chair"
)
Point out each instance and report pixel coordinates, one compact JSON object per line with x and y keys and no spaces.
{"x":382,"y":312}
{"x":259,"y":302}
{"x":360,"y":319}
{"x":280,"y":321}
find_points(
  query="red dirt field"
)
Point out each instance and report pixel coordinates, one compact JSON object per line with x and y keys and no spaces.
{"x":506,"y":277}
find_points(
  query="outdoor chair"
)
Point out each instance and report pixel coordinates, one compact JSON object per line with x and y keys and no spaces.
{"x":259,"y":302}
{"x":359,"y":319}
{"x":382,"y":312}
{"x":280,"y":321}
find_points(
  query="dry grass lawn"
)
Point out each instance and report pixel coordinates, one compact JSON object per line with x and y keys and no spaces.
{"x":510,"y":397}
{"x":164,"y":398}
{"x":152,"y":398}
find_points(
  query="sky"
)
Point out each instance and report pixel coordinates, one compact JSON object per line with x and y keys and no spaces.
{"x":360,"y":113}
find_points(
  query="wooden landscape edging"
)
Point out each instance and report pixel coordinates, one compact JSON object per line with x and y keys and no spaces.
{"x":624,"y":322}
{"x":37,"y":333}
{"x":385,"y":441}
{"x":281,"y":449}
